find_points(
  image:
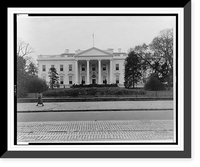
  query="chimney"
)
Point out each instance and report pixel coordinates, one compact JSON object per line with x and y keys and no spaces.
{"x":78,"y":50}
{"x":66,"y":50}
{"x":110,"y":50}
{"x":119,"y":50}
{"x":39,"y":56}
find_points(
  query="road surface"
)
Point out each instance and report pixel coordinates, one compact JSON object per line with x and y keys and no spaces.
{"x":96,"y":126}
{"x":96,"y":115}
{"x":96,"y":122}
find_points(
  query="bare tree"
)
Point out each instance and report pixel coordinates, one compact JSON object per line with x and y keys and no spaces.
{"x":23,"y":48}
{"x":23,"y":77}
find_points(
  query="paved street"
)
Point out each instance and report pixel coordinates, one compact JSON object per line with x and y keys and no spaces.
{"x":96,"y":121}
{"x":95,"y":115}
{"x":131,"y":130}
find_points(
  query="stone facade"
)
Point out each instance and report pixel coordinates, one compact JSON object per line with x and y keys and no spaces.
{"x":85,"y":66}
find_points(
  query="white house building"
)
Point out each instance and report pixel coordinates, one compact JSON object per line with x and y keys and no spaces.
{"x":88,"y":66}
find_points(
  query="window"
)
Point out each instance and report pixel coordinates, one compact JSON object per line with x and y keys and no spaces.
{"x":52,"y":66}
{"x":61,"y":80}
{"x":61,"y":67}
{"x":83,"y":80}
{"x":93,"y":68}
{"x":83,"y":68}
{"x":43,"y":68}
{"x":70,"y":79}
{"x":117,"y":79}
{"x":104,"y":67}
{"x":104,"y":79}
{"x":117,"y":67}
{"x":44,"y":78}
{"x":70,"y":67}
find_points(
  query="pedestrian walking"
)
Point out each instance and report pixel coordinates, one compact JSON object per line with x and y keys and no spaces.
{"x":40,"y":100}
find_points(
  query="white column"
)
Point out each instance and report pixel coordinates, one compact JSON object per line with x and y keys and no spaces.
{"x":99,"y":78}
{"x":88,"y":72}
{"x":76,"y":71}
{"x":111,"y":73}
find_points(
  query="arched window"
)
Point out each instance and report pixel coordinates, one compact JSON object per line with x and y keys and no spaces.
{"x":44,"y":77}
{"x":43,"y":67}
{"x":61,"y":80}
{"x":70,"y":79}
{"x":117,"y":79}
{"x":83,"y":79}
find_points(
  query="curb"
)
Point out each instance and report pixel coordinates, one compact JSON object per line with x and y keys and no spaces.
{"x":49,"y":100}
{"x":95,"y":110}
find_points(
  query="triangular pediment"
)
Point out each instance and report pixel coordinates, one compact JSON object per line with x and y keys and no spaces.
{"x":93,"y":52}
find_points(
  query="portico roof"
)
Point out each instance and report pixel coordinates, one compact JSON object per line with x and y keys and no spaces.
{"x":93,"y":52}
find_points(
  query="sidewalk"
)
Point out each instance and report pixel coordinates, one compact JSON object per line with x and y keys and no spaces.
{"x":96,"y":106}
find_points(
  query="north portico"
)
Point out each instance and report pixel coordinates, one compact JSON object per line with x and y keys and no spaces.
{"x":98,"y":66}
{"x":91,"y":66}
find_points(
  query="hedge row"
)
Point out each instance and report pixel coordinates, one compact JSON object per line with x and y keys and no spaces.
{"x":92,"y":92}
{"x":94,"y":85}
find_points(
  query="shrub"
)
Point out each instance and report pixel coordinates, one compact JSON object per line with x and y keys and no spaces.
{"x":36,"y":85}
{"x":72,"y":92}
{"x":101,"y":93}
{"x":141,"y":92}
{"x":50,"y":93}
{"x":94,"y":85}
{"x":119,"y":92}
{"x":92,"y":91}
{"x":21,"y":91}
{"x":61,"y":93}
{"x":154,"y":84}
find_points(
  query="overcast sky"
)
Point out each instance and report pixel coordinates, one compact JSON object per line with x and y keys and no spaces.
{"x":52,"y":35}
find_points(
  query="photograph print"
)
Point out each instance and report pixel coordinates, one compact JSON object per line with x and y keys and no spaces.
{"x":100,"y":79}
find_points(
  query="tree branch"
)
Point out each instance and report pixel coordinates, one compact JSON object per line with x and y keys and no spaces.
{"x":156,"y":69}
{"x":23,"y":49}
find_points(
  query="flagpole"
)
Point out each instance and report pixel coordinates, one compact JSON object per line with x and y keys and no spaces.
{"x":93,"y":38}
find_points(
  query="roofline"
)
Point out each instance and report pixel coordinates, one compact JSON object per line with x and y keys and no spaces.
{"x":91,"y":49}
{"x":48,"y":59}
{"x":120,"y":53}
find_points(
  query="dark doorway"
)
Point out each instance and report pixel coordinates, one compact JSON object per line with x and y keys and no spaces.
{"x":93,"y":81}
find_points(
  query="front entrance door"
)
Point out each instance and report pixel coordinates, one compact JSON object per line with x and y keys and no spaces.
{"x":93,"y":81}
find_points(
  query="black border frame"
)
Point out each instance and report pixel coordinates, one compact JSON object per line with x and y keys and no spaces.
{"x":186,"y":153}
